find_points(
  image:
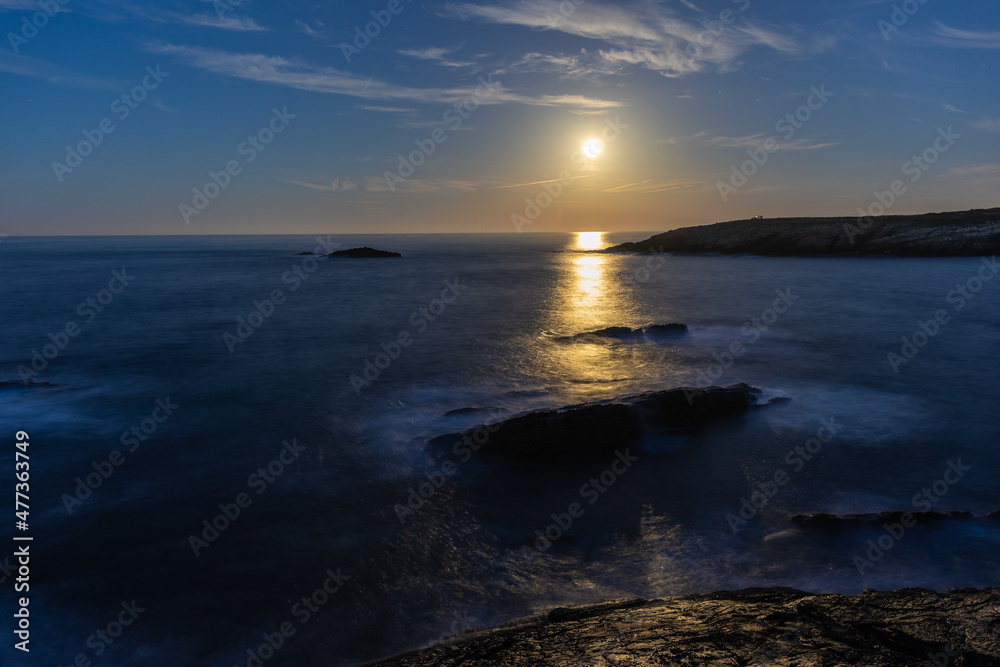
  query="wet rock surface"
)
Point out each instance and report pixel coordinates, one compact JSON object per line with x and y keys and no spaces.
{"x":606,"y":426}
{"x":755,"y":626}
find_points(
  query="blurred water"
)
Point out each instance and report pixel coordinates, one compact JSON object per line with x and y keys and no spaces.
{"x":456,"y":562}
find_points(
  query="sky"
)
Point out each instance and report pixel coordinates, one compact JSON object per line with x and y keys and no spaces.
{"x":402,"y":116}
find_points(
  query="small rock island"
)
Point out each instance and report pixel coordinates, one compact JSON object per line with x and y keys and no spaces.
{"x":364,"y":253}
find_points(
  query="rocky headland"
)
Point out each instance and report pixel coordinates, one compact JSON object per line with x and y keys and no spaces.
{"x":965,"y":233}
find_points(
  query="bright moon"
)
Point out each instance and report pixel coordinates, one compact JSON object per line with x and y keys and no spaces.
{"x":592,"y":148}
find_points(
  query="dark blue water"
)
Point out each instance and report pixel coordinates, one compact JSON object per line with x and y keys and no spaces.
{"x":458,"y":561}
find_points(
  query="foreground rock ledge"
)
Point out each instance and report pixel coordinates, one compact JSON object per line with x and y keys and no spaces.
{"x":755,"y":626}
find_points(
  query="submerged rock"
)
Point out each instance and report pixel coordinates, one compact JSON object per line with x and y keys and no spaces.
{"x":755,"y":626}
{"x":622,"y":333}
{"x":364,"y":253}
{"x":604,"y":427}
{"x":671,"y":329}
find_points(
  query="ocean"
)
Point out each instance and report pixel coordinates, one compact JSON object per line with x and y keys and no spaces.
{"x":228,"y":463}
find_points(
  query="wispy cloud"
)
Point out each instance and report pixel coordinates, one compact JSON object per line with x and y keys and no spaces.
{"x":523,"y":185}
{"x":234,"y":23}
{"x":628,"y":185}
{"x":981,"y":176}
{"x":375,"y":184}
{"x":163,"y":107}
{"x":437,"y":54}
{"x":667,"y":187}
{"x":987,"y":123}
{"x":302,"y":76}
{"x":569,"y":66}
{"x":39,"y":69}
{"x":966,"y":39}
{"x":386,"y":109}
{"x":8,"y":5}
{"x":306,"y":29}
{"x":979,"y":170}
{"x":648,"y":34}
{"x":758,"y":140}
{"x":105,"y":10}
{"x":336,"y":185}
{"x":578,"y":101}
{"x":649,"y":186}
{"x":673,"y":141}
{"x":588,"y":20}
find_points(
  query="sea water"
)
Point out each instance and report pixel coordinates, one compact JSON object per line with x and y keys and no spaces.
{"x":233,"y":439}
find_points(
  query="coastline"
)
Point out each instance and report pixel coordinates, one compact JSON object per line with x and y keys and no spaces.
{"x":954,"y":234}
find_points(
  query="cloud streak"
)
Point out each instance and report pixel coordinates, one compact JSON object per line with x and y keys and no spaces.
{"x":523,"y":185}
{"x":374,"y":184}
{"x":22,"y":65}
{"x":335,"y":186}
{"x":966,"y":39}
{"x":987,"y":124}
{"x":758,"y":140}
{"x":438,"y":55}
{"x":16,"y":5}
{"x":302,"y":76}
{"x":649,"y":186}
{"x":572,"y":66}
{"x":980,"y":170}
{"x":649,"y":34}
{"x":113,"y":12}
{"x":233,"y":23}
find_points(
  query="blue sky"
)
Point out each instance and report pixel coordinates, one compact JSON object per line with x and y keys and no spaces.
{"x":680,"y":94}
